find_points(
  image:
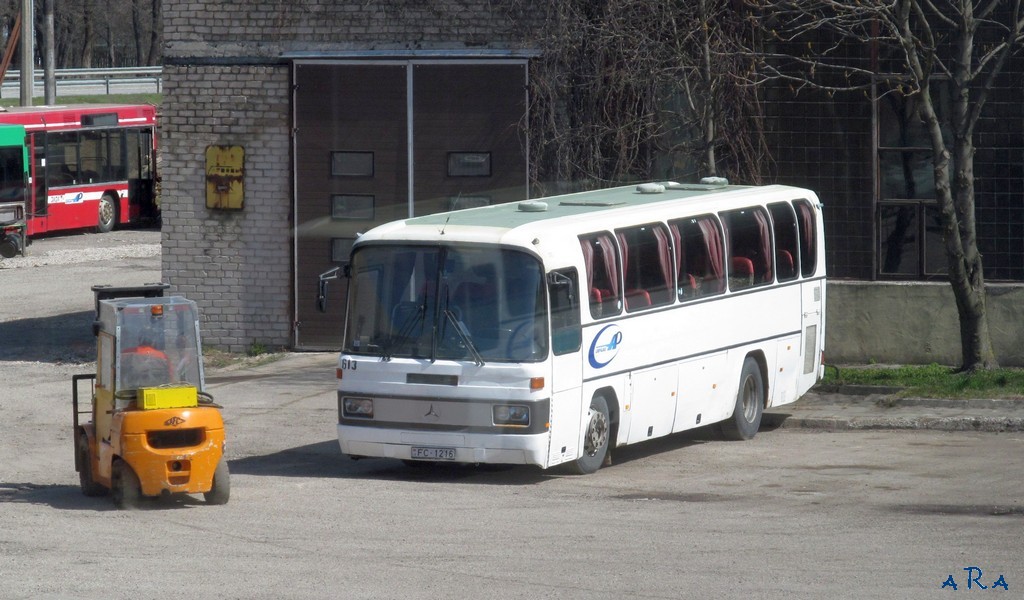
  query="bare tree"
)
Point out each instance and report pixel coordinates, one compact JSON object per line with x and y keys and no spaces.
{"x":88,"y":33}
{"x":137,"y":31}
{"x":97,"y":33}
{"x":153,"y":56}
{"x":627,"y":90}
{"x":965,"y":42}
{"x":111,"y":45}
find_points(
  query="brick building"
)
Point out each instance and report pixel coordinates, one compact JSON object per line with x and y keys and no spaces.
{"x":351,"y":114}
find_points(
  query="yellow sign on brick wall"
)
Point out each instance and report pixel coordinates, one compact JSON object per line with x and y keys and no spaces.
{"x":225,"y":174}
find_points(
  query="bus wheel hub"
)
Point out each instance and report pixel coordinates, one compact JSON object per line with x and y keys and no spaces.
{"x":597,"y":433}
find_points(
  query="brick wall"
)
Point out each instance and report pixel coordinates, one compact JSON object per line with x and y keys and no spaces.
{"x":235,"y":264}
{"x":271,"y":27}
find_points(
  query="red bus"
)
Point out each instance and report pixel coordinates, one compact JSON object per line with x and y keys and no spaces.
{"x":92,"y":165}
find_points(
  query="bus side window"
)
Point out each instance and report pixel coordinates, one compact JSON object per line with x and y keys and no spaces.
{"x":646,"y":266}
{"x":563,"y":289}
{"x":808,"y":251}
{"x":602,"y":261}
{"x":62,"y":159}
{"x":787,"y":251}
{"x":750,"y":247}
{"x":700,"y":258}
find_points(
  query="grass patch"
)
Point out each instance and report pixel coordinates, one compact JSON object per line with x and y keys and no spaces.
{"x":932,"y":381}
{"x":153,"y":98}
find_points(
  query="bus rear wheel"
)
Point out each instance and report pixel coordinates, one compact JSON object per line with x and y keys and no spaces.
{"x":596,"y":438}
{"x":108,"y":214}
{"x":746,"y":417}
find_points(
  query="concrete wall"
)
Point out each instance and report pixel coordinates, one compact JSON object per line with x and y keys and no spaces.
{"x":914,"y":323}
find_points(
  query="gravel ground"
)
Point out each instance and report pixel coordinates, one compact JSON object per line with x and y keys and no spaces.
{"x":46,"y":301}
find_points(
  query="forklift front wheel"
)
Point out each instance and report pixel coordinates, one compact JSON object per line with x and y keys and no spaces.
{"x":125,"y":485}
{"x":221,"y":489}
{"x":89,"y":487}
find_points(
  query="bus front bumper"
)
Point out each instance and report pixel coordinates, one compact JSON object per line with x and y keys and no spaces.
{"x":512,"y":449}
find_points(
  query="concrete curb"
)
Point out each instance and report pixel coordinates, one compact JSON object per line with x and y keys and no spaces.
{"x":957,"y":423}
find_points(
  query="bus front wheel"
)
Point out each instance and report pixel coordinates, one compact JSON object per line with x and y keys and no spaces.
{"x":596,"y":438}
{"x":108,"y":214}
{"x":746,"y":417}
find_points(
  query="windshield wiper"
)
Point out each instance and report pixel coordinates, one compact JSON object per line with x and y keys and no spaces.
{"x":464,"y":336}
{"x":411,"y":321}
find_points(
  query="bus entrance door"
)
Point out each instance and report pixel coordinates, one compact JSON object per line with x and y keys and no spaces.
{"x":566,"y":406}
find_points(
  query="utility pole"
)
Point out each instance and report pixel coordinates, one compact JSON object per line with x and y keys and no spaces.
{"x":28,"y":72}
{"x":49,"y":71}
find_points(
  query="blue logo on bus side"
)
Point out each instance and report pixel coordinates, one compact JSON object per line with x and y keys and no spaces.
{"x":605,"y":346}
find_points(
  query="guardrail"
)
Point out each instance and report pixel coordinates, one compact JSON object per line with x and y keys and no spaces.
{"x":85,"y":80}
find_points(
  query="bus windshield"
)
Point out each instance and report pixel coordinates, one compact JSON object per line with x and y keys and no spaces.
{"x":479,"y":304}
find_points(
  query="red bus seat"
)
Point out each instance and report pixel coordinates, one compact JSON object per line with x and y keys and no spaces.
{"x":742,"y":273}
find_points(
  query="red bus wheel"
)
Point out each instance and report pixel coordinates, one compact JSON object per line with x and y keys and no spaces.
{"x":108,"y":214}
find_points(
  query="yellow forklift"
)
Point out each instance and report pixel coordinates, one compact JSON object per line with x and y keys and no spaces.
{"x":152,"y":430}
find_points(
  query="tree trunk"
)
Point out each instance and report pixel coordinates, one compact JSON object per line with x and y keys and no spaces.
{"x":111,"y":57}
{"x":137,"y":33}
{"x":956,"y":207}
{"x":87,"y":34}
{"x":153,"y":57}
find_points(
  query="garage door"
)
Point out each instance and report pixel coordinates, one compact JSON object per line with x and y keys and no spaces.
{"x":377,"y":141}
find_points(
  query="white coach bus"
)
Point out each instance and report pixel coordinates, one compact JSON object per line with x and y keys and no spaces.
{"x":550,"y":331}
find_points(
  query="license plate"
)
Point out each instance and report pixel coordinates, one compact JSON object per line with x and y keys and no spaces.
{"x":434,"y":453}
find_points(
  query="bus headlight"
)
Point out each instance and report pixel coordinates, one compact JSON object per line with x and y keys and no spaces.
{"x":360,"y":408}
{"x":511,"y":415}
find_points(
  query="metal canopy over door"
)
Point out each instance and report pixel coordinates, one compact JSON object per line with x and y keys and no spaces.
{"x":380,"y":140}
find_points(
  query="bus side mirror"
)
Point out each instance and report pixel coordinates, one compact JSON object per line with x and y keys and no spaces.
{"x":321,"y":296}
